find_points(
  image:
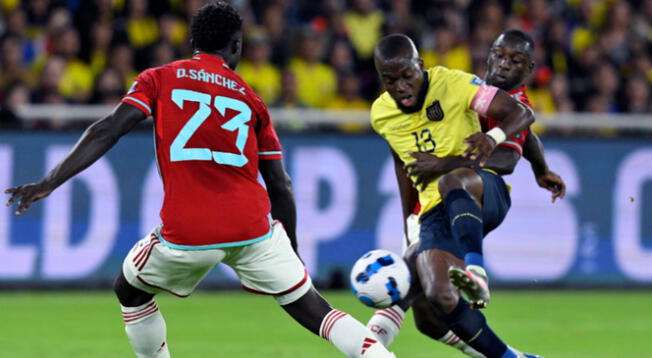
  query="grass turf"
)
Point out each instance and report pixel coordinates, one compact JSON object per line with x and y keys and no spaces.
{"x":557,"y":324}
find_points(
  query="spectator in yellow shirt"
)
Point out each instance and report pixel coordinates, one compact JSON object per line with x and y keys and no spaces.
{"x":448,"y":51}
{"x":101,"y":36}
{"x":76,"y":81}
{"x":289,"y":97}
{"x":257,"y":70}
{"x":316,"y":82}
{"x":142,"y":30}
{"x":122,"y":59}
{"x":364,"y":26}
{"x":348,"y":96}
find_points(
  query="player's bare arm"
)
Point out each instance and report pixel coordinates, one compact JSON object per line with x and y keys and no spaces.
{"x":98,"y":138}
{"x":547,"y":179}
{"x":409,"y":195}
{"x":426,"y":167}
{"x":514,"y":116}
{"x":281,"y":197}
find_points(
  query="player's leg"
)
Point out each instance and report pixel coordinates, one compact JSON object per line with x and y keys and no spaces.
{"x":386,"y":323}
{"x":271,"y":267}
{"x":149,"y":268}
{"x":430,"y":323}
{"x":144,"y":323}
{"x":462,"y":190}
{"x":468,"y":324}
{"x":427,"y":319}
{"x":437,"y":252}
{"x":346,"y":333}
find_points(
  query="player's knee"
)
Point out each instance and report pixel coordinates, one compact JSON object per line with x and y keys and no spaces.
{"x":442,"y":296}
{"x":449,"y":182}
{"x":119,"y":285}
{"x":129,"y":295}
{"x":456,"y":179}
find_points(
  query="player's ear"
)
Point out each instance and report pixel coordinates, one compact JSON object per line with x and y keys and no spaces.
{"x":420,"y":61}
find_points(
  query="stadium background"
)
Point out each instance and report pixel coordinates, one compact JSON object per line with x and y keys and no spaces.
{"x":65,"y":63}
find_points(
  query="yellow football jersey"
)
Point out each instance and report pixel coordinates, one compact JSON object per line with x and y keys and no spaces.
{"x":440,"y":127}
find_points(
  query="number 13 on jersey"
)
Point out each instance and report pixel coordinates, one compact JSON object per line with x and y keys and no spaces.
{"x":178,"y":152}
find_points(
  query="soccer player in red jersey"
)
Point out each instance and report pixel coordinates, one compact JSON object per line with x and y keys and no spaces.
{"x":213,"y":135}
{"x":509,"y":64}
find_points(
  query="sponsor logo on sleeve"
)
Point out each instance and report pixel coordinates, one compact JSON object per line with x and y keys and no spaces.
{"x":477,"y":81}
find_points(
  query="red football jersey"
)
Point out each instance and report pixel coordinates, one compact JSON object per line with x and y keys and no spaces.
{"x":517,"y":141}
{"x":211,"y":130}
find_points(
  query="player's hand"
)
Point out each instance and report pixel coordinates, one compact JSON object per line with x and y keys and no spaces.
{"x":480,"y":147}
{"x":25,"y":195}
{"x":425,"y":168}
{"x":552,"y":182}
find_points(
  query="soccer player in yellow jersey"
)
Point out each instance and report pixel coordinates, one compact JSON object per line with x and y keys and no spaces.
{"x":436,"y":111}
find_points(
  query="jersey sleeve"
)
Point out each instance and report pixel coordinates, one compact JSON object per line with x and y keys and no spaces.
{"x":464,"y":85}
{"x":475,"y":93}
{"x":269,"y":147}
{"x":142,"y":93}
{"x":517,"y":141}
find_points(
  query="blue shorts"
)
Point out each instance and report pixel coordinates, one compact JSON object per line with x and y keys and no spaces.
{"x":435,"y":230}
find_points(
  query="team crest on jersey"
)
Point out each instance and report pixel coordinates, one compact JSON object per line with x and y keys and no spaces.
{"x":434,"y":112}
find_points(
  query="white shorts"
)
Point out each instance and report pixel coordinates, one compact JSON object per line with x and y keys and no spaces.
{"x":268,"y":267}
{"x":413,"y":228}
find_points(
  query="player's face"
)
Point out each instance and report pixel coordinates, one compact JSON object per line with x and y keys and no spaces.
{"x":403,"y":79}
{"x":509,"y":63}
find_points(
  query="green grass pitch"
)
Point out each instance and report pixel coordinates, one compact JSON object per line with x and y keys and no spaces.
{"x":555,"y":324}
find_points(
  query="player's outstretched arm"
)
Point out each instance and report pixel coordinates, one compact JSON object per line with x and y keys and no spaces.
{"x":409,"y":195}
{"x":279,"y":189}
{"x":98,"y":138}
{"x":514,"y":117}
{"x":426,"y":167}
{"x":547,"y":179}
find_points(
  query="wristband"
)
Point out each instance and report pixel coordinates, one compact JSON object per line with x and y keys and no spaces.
{"x":497,"y":134}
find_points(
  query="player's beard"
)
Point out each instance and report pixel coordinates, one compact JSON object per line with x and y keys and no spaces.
{"x":421,"y":98}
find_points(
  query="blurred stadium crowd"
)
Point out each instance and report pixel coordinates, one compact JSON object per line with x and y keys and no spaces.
{"x":591,"y":55}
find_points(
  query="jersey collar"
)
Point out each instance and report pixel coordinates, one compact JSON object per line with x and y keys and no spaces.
{"x":520,"y":90}
{"x":210,"y":57}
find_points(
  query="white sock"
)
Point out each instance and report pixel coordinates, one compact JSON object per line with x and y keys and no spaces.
{"x":386,"y":323}
{"x":351,"y":337}
{"x":454,"y":341}
{"x":146,"y":330}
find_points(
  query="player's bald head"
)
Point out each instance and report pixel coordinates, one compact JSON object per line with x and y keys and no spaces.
{"x":510,"y":59}
{"x":517,"y":39}
{"x":395,"y":46}
{"x":401,"y":71}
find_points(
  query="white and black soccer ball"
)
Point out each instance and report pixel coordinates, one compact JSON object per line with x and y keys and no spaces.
{"x":380,"y":278}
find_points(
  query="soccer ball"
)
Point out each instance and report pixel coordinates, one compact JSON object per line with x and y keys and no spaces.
{"x":380,"y":278}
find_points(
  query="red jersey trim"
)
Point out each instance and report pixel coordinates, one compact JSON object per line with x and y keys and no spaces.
{"x":514,"y":145}
{"x":138,"y":104}
{"x":160,"y":288}
{"x":293,"y":288}
{"x":270,"y":155}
